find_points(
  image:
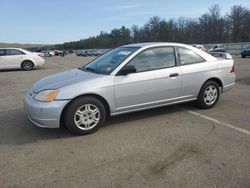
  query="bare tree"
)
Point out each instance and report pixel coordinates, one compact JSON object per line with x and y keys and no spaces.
{"x":239,"y":22}
{"x":211,"y":27}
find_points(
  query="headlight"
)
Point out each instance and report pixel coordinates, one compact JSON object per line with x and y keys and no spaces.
{"x":46,"y":95}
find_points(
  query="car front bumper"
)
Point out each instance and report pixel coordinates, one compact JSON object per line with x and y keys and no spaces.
{"x":44,"y":114}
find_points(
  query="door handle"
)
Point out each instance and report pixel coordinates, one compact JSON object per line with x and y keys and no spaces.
{"x":174,"y":75}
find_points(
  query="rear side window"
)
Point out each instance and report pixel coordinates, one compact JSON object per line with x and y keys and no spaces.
{"x":2,"y":52}
{"x":155,"y":58}
{"x":14,"y":52}
{"x":187,"y":56}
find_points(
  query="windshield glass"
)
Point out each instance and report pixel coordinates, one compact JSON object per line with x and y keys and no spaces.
{"x":106,"y":63}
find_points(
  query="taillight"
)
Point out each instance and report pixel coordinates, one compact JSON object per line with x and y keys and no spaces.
{"x":233,"y":69}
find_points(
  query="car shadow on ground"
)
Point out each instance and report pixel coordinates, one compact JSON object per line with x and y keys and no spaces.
{"x":12,"y":70}
{"x":16,"y":129}
{"x":141,"y":115}
{"x":21,"y":70}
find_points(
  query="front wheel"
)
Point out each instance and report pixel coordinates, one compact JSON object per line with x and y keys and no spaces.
{"x":85,"y":115}
{"x":209,"y":95}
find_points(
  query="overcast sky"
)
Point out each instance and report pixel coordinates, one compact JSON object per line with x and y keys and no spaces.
{"x":57,"y":21}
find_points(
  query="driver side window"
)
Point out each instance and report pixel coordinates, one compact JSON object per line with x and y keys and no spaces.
{"x":154,"y":58}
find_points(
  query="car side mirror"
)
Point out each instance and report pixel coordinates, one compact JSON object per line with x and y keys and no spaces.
{"x":127,"y":70}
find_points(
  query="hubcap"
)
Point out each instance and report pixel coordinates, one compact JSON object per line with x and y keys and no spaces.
{"x":27,"y":66}
{"x":87,"y":117}
{"x":210,"y":95}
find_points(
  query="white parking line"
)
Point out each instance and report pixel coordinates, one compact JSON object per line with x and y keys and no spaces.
{"x":217,"y":121}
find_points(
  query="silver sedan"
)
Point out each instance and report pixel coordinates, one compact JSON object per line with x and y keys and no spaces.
{"x":127,"y":79}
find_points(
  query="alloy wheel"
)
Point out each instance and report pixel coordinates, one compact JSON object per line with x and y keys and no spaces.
{"x":210,"y":95}
{"x":87,"y":116}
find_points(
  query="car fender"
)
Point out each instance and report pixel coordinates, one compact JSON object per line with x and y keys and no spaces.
{"x":103,"y":88}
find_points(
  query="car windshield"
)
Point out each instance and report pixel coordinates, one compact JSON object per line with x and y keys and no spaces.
{"x":106,"y":63}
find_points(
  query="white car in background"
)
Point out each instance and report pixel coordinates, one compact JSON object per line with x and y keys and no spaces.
{"x":12,"y":58}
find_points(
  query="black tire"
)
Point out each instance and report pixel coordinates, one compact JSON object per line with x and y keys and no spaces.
{"x":74,"y":106}
{"x":27,"y":65}
{"x":243,"y":56}
{"x":202,"y":100}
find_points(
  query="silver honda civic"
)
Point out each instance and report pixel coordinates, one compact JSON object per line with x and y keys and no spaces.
{"x":127,"y":79}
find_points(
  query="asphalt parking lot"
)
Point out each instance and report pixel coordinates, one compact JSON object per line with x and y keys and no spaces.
{"x":175,"y":146}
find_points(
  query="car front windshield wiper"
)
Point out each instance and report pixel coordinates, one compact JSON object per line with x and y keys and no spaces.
{"x":89,"y":69}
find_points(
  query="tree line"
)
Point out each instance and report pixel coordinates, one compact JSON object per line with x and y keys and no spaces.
{"x":210,"y":27}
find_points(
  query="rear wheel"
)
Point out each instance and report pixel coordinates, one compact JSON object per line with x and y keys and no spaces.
{"x":85,"y":115}
{"x":209,"y":95}
{"x":27,"y":65}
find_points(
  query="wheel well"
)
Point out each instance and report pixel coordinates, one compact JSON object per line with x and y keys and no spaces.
{"x":26,"y":61}
{"x":104,"y":102}
{"x":217,"y":80}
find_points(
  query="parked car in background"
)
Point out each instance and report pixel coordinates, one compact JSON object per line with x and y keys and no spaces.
{"x":217,"y":48}
{"x":245,"y":52}
{"x":127,"y":79}
{"x":49,"y":53}
{"x":19,"y":58}
{"x":82,"y":53}
{"x":199,"y":46}
{"x":94,"y":53}
{"x":59,"y":53}
{"x":88,"y":53}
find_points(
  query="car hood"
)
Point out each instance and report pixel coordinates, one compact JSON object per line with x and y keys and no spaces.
{"x":62,"y":79}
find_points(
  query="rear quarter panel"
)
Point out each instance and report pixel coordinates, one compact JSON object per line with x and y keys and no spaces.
{"x":227,"y":78}
{"x":195,"y":75}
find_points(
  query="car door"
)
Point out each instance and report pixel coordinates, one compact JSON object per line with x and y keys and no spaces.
{"x":195,"y":71}
{"x":157,"y":80}
{"x":2,"y":58}
{"x":14,"y":58}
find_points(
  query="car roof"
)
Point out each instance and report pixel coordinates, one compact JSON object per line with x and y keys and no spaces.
{"x":159,"y":44}
{"x":20,"y":49}
{"x":8,"y":48}
{"x":154,"y":44}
